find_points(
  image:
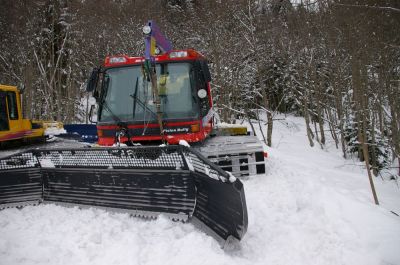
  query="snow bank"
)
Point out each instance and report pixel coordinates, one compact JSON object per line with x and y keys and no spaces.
{"x":54,"y":131}
{"x":47,"y":163}
{"x":184,"y":143}
{"x":311,"y":207}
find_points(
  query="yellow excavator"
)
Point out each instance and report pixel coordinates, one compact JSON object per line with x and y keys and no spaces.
{"x":13,"y":127}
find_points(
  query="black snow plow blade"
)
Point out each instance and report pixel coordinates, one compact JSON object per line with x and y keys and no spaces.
{"x":146,"y":181}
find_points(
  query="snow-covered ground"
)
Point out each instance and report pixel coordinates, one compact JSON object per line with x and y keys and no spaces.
{"x":311,"y":207}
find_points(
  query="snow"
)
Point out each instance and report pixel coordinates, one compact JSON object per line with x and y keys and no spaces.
{"x":311,"y":207}
{"x":228,"y":125}
{"x":184,"y":143}
{"x":232,"y":178}
{"x":119,"y":145}
{"x":54,"y":131}
{"x":47,"y":163}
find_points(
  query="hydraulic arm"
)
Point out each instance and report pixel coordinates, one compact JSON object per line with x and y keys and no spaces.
{"x":155,"y":41}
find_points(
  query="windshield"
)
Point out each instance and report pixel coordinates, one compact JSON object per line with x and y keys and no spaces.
{"x":129,"y":96}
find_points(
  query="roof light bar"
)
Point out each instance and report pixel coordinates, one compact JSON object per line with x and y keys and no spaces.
{"x":117,"y":60}
{"x":178,"y":54}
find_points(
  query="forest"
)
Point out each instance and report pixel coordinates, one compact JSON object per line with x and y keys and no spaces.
{"x":334,"y":62}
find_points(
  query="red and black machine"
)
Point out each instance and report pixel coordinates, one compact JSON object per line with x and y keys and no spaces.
{"x":164,"y":96}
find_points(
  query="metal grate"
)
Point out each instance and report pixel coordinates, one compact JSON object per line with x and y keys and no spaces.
{"x":19,"y":161}
{"x":169,"y":157}
{"x":202,"y":165}
{"x":132,"y":158}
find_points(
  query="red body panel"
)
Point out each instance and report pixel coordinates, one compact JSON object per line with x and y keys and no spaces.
{"x":192,"y":55}
{"x":170,"y":138}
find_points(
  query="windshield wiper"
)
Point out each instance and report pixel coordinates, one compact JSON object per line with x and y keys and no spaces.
{"x":136,"y":100}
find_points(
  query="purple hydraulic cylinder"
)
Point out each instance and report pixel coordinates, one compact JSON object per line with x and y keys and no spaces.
{"x":155,"y":39}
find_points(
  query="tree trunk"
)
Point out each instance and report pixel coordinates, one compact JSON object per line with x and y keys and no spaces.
{"x":320,"y":114}
{"x":366,"y":159}
{"x":261,"y":129}
{"x":373,"y":147}
{"x":270,"y":124}
{"x":307,"y":120}
{"x":357,"y":98}
{"x":251,"y":124}
{"x":332,"y":127}
{"x":269,"y":116}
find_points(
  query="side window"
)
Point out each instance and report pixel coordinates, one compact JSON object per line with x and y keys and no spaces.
{"x":12,"y":105}
{"x":3,"y":112}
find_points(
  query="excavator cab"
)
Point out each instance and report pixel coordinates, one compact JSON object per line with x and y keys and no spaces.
{"x":13,"y":127}
{"x":4,"y":126}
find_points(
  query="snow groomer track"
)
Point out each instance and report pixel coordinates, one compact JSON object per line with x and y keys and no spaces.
{"x":145,"y":181}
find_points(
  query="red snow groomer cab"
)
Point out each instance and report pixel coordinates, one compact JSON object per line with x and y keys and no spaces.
{"x":129,"y":110}
{"x":164,"y":97}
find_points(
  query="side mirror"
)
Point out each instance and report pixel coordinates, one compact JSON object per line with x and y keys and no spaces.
{"x":92,"y":82}
{"x":91,"y":113}
{"x":22,"y":89}
{"x":206,"y":71}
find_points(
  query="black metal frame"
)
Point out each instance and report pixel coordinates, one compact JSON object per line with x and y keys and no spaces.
{"x":175,"y":180}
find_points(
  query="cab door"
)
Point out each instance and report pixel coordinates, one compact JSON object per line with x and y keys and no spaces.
{"x":14,"y":119}
{"x":4,"y":124}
